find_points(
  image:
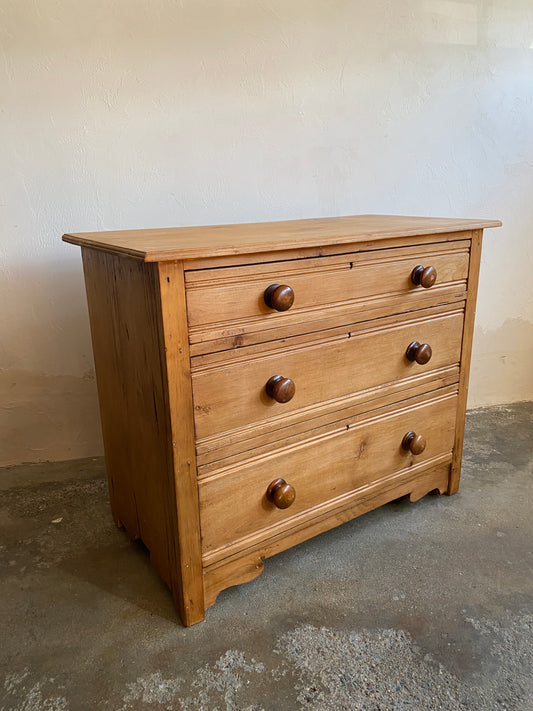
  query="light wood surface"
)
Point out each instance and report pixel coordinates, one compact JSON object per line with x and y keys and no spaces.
{"x":132,"y":389}
{"x":381,"y":400}
{"x":188,"y":592}
{"x":245,"y":565}
{"x":233,"y":501}
{"x":153,"y":245}
{"x":233,"y":337}
{"x":226,"y":302}
{"x":148,"y":437}
{"x":466,"y":355}
{"x":280,"y":254}
{"x":233,"y":396}
{"x":238,"y":423}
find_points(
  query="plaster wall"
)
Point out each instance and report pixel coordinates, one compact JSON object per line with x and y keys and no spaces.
{"x":122,"y":114}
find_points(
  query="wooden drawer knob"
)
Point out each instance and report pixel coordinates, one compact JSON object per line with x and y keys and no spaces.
{"x":421,"y":352}
{"x":413,"y":443}
{"x":281,"y":494}
{"x":280,"y":389}
{"x":424,"y":276}
{"x":279,"y":297}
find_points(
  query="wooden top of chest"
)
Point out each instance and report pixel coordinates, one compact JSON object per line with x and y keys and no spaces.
{"x":155,"y":245}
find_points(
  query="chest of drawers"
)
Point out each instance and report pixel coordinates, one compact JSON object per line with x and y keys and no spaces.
{"x":262,"y":383}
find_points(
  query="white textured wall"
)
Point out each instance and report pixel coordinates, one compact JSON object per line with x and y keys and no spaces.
{"x":127,"y":113}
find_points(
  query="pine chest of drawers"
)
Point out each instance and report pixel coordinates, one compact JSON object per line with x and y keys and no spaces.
{"x":262,"y":383}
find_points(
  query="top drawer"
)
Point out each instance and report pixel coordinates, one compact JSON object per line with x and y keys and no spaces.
{"x":227,"y":304}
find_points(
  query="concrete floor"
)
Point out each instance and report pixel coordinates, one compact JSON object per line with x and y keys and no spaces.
{"x":414,"y":606}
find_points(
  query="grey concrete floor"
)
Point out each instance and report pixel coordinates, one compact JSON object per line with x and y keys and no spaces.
{"x":413,"y":606}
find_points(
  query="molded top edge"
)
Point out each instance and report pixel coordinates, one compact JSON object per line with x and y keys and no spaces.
{"x":165,"y":244}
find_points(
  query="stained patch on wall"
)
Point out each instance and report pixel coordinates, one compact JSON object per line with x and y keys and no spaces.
{"x":501,"y":368}
{"x":48,"y":417}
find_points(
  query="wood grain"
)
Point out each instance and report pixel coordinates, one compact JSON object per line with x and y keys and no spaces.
{"x":369,"y":245}
{"x":247,"y":564}
{"x":232,"y":338}
{"x":232,"y":300}
{"x":188,"y":592}
{"x":378,"y":402}
{"x":466,"y":355}
{"x":236,"y":427}
{"x":353,"y":327}
{"x":320,"y":469}
{"x":196,"y":271}
{"x":191,"y":242}
{"x":125,"y":316}
{"x":328,"y":370}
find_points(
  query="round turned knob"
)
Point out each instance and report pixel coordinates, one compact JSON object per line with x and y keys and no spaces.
{"x":424,"y":276}
{"x":421,"y":352}
{"x":281,"y":494}
{"x":413,"y":443}
{"x":280,"y":389}
{"x":279,"y":297}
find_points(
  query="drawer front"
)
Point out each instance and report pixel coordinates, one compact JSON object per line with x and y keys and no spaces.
{"x":230,"y":301}
{"x":323,"y":471}
{"x":233,"y":396}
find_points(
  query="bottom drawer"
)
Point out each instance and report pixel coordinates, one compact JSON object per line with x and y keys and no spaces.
{"x":234,"y":504}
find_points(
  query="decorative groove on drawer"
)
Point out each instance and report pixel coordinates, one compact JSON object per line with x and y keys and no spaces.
{"x":194,"y":265}
{"x":230,"y":401}
{"x":323,"y":509}
{"x":229,"y":302}
{"x":237,"y":358}
{"x":300,"y":264}
{"x":321,"y":469}
{"x":243,"y":276}
{"x":233,"y":339}
{"x":393,"y":390}
{"x":338,"y":431}
{"x":248,"y":564}
{"x":231,"y":328}
{"x":240,"y":453}
{"x":306,"y":413}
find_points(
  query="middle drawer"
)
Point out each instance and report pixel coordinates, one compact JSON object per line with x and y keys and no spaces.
{"x":234,"y":396}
